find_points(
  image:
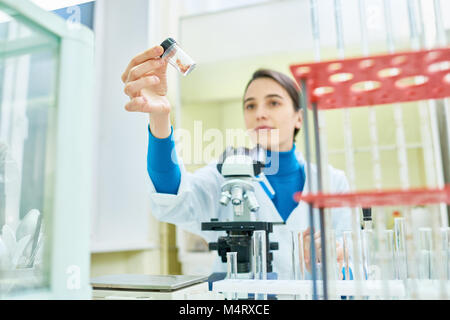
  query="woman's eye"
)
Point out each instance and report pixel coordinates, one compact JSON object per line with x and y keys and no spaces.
{"x":249,"y":106}
{"x":274,"y":103}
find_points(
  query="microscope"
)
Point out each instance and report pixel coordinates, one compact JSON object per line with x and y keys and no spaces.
{"x":240,"y":167}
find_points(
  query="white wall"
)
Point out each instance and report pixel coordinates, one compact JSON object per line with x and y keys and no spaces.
{"x":285,"y":26}
{"x":121,"y":202}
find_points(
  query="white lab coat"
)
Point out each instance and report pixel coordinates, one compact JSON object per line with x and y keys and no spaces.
{"x":197,"y":201}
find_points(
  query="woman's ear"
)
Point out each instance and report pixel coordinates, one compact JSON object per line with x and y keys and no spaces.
{"x":299,"y":120}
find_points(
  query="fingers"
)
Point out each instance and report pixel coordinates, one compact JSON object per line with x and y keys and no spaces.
{"x":133,"y":88}
{"x":137,"y":104}
{"x":146,"y":68}
{"x":151,"y":53}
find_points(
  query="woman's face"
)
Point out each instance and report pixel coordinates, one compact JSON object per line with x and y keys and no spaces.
{"x":270,"y":116}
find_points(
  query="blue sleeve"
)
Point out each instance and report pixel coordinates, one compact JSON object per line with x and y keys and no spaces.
{"x":162,"y":164}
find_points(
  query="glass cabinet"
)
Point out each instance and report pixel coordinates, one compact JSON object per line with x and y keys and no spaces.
{"x":46,"y":68}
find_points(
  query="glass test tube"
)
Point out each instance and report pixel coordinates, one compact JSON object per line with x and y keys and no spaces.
{"x":231,"y":272}
{"x":334,"y":266}
{"x":425,"y":253}
{"x":446,"y":251}
{"x":390,"y":249}
{"x":231,"y":265}
{"x":400,"y":248}
{"x":348,"y":246}
{"x":259,"y":259}
{"x":259,"y":255}
{"x":296,"y":255}
{"x":367,"y":253}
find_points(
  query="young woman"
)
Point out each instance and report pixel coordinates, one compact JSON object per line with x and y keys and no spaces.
{"x":271,"y":102}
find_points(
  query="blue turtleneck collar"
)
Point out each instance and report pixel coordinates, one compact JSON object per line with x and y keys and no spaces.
{"x":288,"y":162}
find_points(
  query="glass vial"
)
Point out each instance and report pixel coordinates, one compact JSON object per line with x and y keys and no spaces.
{"x":177,"y":57}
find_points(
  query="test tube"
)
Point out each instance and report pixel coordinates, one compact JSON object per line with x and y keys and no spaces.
{"x":231,"y":272}
{"x":334,"y":267}
{"x":296,"y":256}
{"x":231,"y":265}
{"x":259,"y":255}
{"x":367,"y":252}
{"x":298,"y":259}
{"x":259,"y":259}
{"x":445,"y":236}
{"x":400,"y":248}
{"x":347,"y":236}
{"x":425,"y":253}
{"x":390,"y":249}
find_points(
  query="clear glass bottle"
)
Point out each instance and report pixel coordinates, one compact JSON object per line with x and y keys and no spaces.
{"x":177,"y":57}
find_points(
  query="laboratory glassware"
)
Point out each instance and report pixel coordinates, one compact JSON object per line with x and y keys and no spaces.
{"x":232,"y":271}
{"x":177,"y":57}
{"x":348,"y":247}
{"x":425,"y":253}
{"x":400,"y":248}
{"x":259,"y":259}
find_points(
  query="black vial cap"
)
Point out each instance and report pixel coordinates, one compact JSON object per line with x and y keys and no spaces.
{"x":167,"y":43}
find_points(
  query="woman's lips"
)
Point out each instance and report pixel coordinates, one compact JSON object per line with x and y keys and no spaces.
{"x":263,"y":128}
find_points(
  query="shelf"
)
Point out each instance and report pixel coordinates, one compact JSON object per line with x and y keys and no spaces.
{"x":376,"y":80}
{"x":409,"y":197}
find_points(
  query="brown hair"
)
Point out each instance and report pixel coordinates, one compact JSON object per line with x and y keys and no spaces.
{"x":283,"y":80}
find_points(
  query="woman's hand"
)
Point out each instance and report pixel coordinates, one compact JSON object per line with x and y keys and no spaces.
{"x":306,"y":235}
{"x":145,"y":80}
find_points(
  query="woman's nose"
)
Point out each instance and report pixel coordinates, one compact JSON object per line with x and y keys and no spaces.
{"x":261,"y":113}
